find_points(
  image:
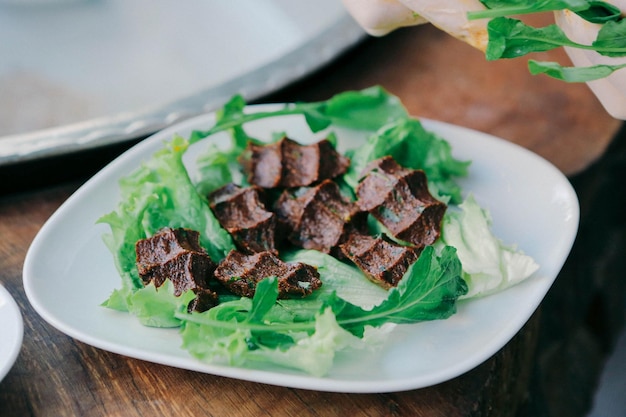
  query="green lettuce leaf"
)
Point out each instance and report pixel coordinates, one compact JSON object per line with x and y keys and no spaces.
{"x":157,"y":307}
{"x":158,"y":194}
{"x":488,"y":265}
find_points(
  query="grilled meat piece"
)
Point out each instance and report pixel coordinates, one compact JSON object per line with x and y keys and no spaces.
{"x":400,"y":200}
{"x":287,"y":163}
{"x":381,"y":260}
{"x":242,"y":213}
{"x":174,"y":254}
{"x":317,"y":217}
{"x":240,"y":273}
{"x":205,"y":299}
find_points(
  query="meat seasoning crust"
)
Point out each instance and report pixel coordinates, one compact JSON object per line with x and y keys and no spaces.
{"x":381,"y":260}
{"x":240,"y":273}
{"x":242,"y":213}
{"x":176,"y":254}
{"x":288,"y":164}
{"x":399,"y":199}
{"x":318,"y":217}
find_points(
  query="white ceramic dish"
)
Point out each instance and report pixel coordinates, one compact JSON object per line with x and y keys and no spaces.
{"x":68,"y":270}
{"x":11,"y":329}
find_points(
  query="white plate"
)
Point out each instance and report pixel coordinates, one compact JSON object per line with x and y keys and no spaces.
{"x":11,"y":329}
{"x":68,"y":270}
{"x":82,"y":73}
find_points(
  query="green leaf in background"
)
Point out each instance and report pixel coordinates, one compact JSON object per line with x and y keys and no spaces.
{"x":600,"y":12}
{"x":611,"y":40}
{"x":594,"y":11}
{"x":511,"y":38}
{"x":572,"y":74}
{"x":264,"y":299}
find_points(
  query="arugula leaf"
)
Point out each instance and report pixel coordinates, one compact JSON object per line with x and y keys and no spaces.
{"x":264,"y":299}
{"x":572,"y":74}
{"x":366,"y":109}
{"x":428,"y":291}
{"x":600,"y":12}
{"x":611,"y":40}
{"x":413,"y":147}
{"x":593,"y":11}
{"x":511,"y":38}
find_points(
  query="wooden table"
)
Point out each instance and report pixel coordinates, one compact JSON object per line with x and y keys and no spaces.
{"x":436,"y":77}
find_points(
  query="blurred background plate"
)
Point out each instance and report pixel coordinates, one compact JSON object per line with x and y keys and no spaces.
{"x":11,"y":329}
{"x":76,"y":75}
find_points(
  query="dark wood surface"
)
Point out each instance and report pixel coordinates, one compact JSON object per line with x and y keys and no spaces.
{"x":436,"y":77}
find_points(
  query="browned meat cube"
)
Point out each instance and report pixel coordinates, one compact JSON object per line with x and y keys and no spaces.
{"x":240,"y":273}
{"x":205,"y":299}
{"x":381,"y":260}
{"x":318,"y":217}
{"x":242,"y":213}
{"x":400,"y":200}
{"x":174,"y":254}
{"x":287,"y":163}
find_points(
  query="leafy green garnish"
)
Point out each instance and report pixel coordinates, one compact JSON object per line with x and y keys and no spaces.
{"x":366,"y":109}
{"x":593,"y":11}
{"x":572,"y":74}
{"x":511,"y":38}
